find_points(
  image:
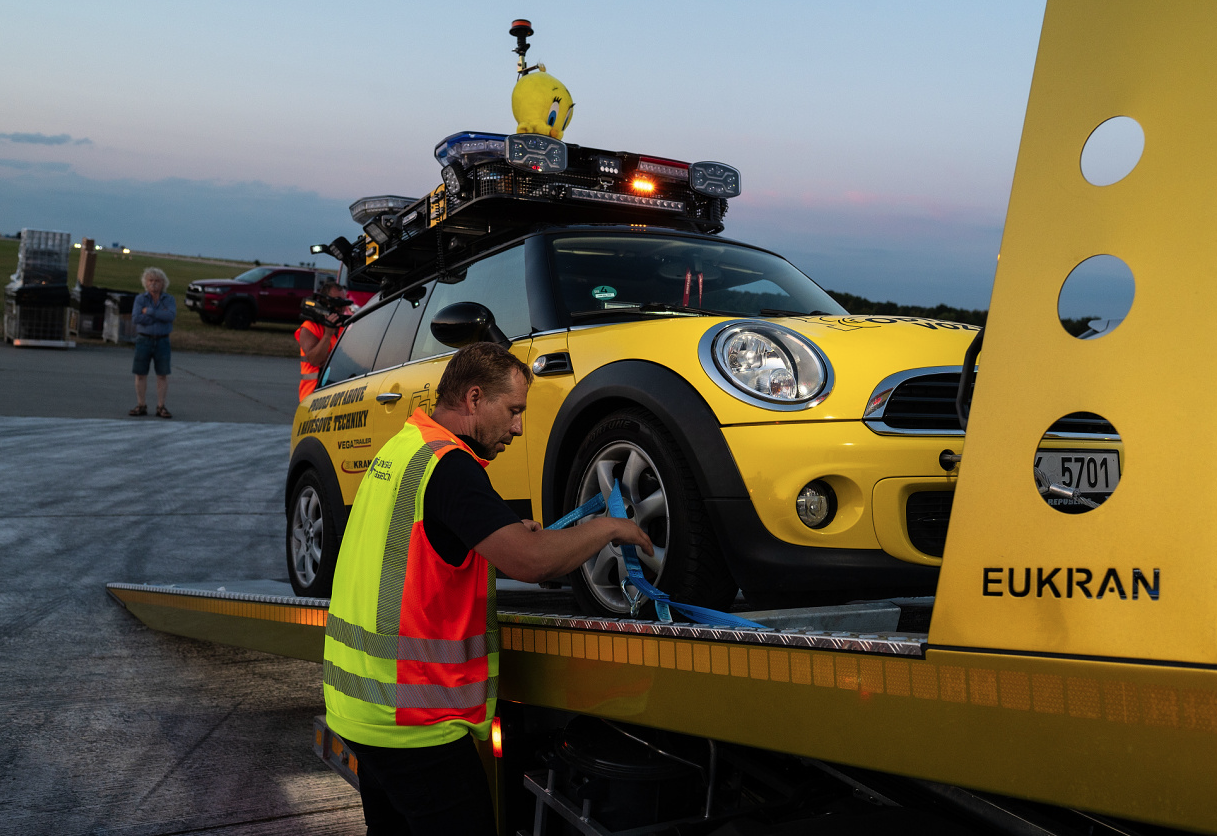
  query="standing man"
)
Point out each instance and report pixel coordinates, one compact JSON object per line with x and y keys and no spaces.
{"x":152,"y":314}
{"x":317,"y":341}
{"x":412,"y":640}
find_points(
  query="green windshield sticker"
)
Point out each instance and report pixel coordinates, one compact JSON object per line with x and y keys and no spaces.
{"x":604,"y":292}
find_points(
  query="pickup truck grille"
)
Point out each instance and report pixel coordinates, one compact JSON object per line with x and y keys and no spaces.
{"x":925,"y":404}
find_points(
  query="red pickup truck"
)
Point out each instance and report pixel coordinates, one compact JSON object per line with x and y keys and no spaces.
{"x":271,"y":294}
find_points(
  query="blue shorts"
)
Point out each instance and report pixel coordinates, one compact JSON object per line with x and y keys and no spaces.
{"x":150,"y":351}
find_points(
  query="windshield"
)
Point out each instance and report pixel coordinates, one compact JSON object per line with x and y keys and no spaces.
{"x":251,"y":276}
{"x":600,"y":275}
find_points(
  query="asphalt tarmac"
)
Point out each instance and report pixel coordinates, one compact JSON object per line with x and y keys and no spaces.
{"x":95,"y":381}
{"x":112,"y":728}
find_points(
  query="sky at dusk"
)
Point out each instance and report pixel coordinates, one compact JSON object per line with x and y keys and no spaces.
{"x":876,"y":140}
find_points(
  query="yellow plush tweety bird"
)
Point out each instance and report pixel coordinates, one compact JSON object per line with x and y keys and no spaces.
{"x":541,"y":105}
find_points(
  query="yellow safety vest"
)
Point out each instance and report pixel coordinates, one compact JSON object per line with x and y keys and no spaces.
{"x":411,"y":642}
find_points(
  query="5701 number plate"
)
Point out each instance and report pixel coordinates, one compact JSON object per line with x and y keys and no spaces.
{"x":1092,"y":471}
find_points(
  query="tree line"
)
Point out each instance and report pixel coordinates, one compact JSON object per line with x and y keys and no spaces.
{"x":860,"y":306}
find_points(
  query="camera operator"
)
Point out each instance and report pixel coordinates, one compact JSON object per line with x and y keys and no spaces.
{"x":317,"y":340}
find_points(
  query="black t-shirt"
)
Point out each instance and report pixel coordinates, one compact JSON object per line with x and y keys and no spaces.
{"x":461,"y":508}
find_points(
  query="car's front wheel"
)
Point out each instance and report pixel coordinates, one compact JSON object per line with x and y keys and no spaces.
{"x":238,"y":316}
{"x":632,"y":447}
{"x":312,"y":539}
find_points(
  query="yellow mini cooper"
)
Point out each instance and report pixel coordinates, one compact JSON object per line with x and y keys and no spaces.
{"x":765,"y":439}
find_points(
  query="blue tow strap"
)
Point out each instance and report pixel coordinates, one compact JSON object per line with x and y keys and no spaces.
{"x":635,"y":578}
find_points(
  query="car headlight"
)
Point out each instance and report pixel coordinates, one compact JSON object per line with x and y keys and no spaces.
{"x":766,"y":364}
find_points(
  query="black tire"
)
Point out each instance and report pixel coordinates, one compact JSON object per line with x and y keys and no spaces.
{"x":312,"y":538}
{"x":239,"y":316}
{"x":632,"y":446}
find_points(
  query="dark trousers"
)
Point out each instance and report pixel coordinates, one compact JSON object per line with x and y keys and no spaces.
{"x":428,"y":790}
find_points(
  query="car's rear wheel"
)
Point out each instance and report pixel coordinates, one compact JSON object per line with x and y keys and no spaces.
{"x":632,"y":447}
{"x":312,"y":539}
{"x":238,"y":316}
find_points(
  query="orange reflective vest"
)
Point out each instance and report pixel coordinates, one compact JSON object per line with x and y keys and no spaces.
{"x":308,"y":372}
{"x":411,"y":642}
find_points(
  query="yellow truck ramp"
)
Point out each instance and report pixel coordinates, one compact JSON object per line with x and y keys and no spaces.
{"x":1125,"y":739}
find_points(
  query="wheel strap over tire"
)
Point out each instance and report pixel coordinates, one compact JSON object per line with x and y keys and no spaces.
{"x":644,"y":588}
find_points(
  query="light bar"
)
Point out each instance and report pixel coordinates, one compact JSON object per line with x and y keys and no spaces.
{"x":673,"y":169}
{"x":366,"y":208}
{"x":536,"y":152}
{"x":470,"y":148}
{"x":714,"y":179}
{"x":628,"y":200}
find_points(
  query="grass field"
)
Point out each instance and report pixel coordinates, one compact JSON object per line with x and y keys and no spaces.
{"x":119,"y":272}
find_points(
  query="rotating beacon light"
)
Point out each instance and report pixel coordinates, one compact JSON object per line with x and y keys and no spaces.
{"x":521,"y":30}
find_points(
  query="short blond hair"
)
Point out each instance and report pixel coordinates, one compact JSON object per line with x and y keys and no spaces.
{"x":483,"y":364}
{"x":154,"y":273}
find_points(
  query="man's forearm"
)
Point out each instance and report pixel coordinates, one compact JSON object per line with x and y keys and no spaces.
{"x":538,"y":555}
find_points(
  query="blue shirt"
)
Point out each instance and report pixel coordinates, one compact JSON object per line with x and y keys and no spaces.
{"x":158,"y":322}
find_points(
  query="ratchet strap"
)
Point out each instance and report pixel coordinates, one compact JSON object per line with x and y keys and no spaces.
{"x":642,"y":587}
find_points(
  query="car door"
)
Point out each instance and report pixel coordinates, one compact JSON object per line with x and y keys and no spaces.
{"x":271,"y":293}
{"x":278,"y":297}
{"x":496,"y":281}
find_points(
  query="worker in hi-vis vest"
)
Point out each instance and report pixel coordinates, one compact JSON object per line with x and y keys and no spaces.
{"x":317,"y":340}
{"x":412,"y":637}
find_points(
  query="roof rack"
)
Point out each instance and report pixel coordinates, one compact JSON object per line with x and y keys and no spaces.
{"x":497,"y":184}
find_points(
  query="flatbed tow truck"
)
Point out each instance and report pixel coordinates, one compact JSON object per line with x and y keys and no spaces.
{"x":1066,"y":678}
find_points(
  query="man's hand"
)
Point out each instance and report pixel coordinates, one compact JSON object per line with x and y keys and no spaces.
{"x":633,"y":535}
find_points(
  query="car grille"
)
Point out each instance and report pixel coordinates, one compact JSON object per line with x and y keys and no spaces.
{"x":927,"y":514}
{"x":926,"y":403}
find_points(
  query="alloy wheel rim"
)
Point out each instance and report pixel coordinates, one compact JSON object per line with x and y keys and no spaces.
{"x":646,"y":503}
{"x":307,"y":536}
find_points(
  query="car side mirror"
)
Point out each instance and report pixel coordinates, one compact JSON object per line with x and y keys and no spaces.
{"x":464,"y":323}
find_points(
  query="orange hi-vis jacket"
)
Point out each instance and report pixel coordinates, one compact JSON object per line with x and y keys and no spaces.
{"x":308,"y":372}
{"x":411,"y":642}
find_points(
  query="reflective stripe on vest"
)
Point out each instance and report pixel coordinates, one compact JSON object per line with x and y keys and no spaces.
{"x":309,"y":375}
{"x":408,"y":648}
{"x":397,"y":545}
{"x":418,"y":695}
{"x":411,"y":658}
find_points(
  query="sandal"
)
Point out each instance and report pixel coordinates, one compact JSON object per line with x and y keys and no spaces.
{"x":161,"y":412}
{"x":139,"y":410}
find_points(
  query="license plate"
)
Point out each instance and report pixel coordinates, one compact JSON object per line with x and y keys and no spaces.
{"x":189,"y":302}
{"x":1095,"y":472}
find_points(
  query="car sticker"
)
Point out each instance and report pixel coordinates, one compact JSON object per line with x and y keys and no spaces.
{"x":604,"y":292}
{"x":855,"y":323}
